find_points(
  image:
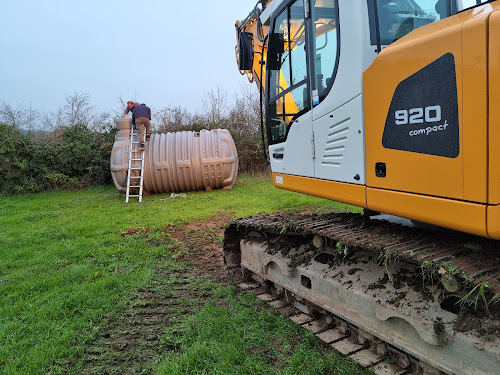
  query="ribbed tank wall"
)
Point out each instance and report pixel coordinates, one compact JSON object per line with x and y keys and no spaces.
{"x":177,"y":162}
{"x":119,"y":155}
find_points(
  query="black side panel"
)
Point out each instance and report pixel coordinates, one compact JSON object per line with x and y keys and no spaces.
{"x":423,"y":116}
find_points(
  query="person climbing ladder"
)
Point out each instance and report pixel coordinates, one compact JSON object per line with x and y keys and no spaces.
{"x":141,"y":116}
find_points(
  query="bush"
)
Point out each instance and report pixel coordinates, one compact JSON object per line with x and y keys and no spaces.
{"x":70,"y":157}
{"x":16,"y":168}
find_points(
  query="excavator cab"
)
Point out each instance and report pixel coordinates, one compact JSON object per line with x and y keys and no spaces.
{"x":304,"y":48}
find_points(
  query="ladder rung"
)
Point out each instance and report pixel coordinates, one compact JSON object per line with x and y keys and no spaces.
{"x":134,"y":195}
{"x":136,"y":159}
{"x":134,"y":186}
{"x":136,"y":168}
{"x":135,"y":176}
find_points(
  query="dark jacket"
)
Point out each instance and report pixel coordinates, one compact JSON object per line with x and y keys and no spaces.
{"x":141,"y":110}
{"x":127,"y":110}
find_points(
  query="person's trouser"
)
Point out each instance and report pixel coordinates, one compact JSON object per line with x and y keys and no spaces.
{"x":140,"y":122}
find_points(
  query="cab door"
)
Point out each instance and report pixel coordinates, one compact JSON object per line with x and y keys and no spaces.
{"x":288,"y":116}
{"x":340,"y":52}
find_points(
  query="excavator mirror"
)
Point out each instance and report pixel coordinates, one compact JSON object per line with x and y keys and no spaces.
{"x":276,"y":50}
{"x":245,"y":51}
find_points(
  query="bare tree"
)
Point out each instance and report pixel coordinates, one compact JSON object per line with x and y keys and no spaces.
{"x":20,"y":117}
{"x":77,"y":110}
{"x":123,"y":104}
{"x":215,"y":108}
{"x":173,"y":119}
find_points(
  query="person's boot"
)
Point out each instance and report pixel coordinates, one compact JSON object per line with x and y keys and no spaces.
{"x":147,"y":137}
{"x":141,"y":147}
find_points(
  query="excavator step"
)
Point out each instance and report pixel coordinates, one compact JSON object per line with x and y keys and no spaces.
{"x":301,"y":318}
{"x":248,"y":286}
{"x":346,"y":347}
{"x":315,"y":326}
{"x":278,"y":304}
{"x":388,"y":369}
{"x":266,"y":297}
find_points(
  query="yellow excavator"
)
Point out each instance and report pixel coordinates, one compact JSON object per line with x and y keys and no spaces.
{"x":392,"y":106}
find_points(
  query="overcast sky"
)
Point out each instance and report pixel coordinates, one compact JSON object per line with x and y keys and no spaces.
{"x":162,"y":53}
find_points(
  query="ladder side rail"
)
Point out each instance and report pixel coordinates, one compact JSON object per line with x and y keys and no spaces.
{"x":141,"y":179}
{"x":127,"y":194}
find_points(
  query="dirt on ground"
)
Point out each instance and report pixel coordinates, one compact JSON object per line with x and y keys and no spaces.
{"x":128,"y":341}
{"x":203,"y":241}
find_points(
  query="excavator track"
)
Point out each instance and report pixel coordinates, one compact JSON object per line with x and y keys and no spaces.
{"x":426,"y":299}
{"x":339,"y":335}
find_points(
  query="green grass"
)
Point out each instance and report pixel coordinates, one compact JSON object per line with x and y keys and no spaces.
{"x":243,"y":339}
{"x":64,"y":263}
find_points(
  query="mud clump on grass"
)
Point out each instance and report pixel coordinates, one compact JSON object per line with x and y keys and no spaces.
{"x":133,"y":231}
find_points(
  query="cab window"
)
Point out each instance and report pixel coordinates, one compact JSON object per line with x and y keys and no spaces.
{"x":465,"y":4}
{"x":396,"y":18}
{"x":326,"y":46}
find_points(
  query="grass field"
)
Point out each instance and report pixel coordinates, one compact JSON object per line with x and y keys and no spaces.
{"x":69,"y":287}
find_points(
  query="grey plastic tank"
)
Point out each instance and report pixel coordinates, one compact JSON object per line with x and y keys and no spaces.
{"x":178,"y":162}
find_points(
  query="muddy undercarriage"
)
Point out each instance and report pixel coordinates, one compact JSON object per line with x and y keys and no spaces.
{"x":425,"y":299}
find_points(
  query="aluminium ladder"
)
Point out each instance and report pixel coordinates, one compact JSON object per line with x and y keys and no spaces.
{"x":134,"y":156}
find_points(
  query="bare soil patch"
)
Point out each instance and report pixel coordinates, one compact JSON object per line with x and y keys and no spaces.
{"x":201,"y":243}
